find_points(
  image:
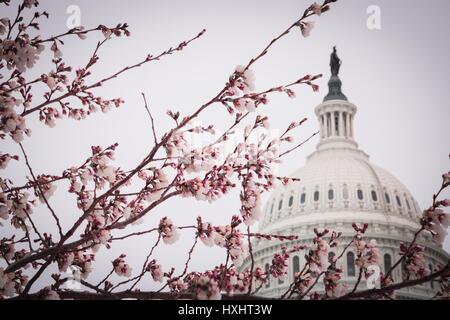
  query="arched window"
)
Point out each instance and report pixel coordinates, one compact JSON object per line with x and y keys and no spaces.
{"x":351,"y":264}
{"x":345,"y":192}
{"x":303,"y":198}
{"x":388,"y":199}
{"x":316,"y":196}
{"x":374,"y":195}
{"x":291,"y":201}
{"x":414,"y":205}
{"x":331,"y":255}
{"x":280,"y":204}
{"x":330,"y":194}
{"x":267,"y":269}
{"x":399,"y":203}
{"x":360,"y":194}
{"x":407,"y":204}
{"x":295,"y":265}
{"x":271,"y":209}
{"x":387,"y":262}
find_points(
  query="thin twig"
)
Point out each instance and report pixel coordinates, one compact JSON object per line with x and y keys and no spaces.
{"x":40,"y":190}
{"x":151,"y":118}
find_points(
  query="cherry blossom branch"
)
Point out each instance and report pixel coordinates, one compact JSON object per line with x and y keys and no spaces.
{"x":405,"y":284}
{"x":307,"y":13}
{"x":151,"y":118}
{"x":147,"y":231}
{"x":299,"y":145}
{"x":61,"y":247}
{"x":104,"y":279}
{"x":252,"y":265}
{"x":16,"y":20}
{"x":81,"y":32}
{"x":316,"y":280}
{"x":42,"y":194}
{"x":358,"y":281}
{"x":434,"y":206}
{"x":186,"y":264}
{"x":399,"y":261}
{"x":33,"y":226}
{"x":99,"y":83}
{"x":143,"y":271}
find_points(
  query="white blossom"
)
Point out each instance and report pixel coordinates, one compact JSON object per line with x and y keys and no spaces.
{"x":306,"y":28}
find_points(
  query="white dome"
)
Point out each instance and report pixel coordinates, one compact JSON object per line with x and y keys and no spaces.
{"x":338,"y":187}
{"x":341,"y":180}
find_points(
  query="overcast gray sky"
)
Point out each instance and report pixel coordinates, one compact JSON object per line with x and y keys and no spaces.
{"x":397,"y":76}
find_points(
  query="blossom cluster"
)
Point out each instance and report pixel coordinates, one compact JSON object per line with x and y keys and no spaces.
{"x":227,"y":236}
{"x":11,"y":283}
{"x":17,"y":204}
{"x":211,"y":284}
{"x":333,"y":287}
{"x":318,"y":256}
{"x":121,"y":267}
{"x":204,"y":286}
{"x":79,"y":261}
{"x":20,"y":52}
{"x":437,"y":222}
{"x":155,"y":270}
{"x":156,"y":181}
{"x":278,"y":268}
{"x":414,"y":265}
{"x":45,"y":188}
{"x":11,"y":122}
{"x":7,"y":249}
{"x":168,"y":231}
{"x":5,"y":158}
{"x":367,"y":253}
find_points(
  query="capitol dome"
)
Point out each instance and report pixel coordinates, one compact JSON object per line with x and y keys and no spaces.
{"x":339,"y":186}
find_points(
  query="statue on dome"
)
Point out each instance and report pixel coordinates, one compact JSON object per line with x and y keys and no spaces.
{"x":335,"y":63}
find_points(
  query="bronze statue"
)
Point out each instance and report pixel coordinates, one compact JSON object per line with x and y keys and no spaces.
{"x":335,"y":63}
{"x":335,"y":84}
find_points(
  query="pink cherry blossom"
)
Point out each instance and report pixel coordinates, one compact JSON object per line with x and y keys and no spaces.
{"x":121,"y":267}
{"x":316,"y":8}
{"x":155,"y":269}
{"x":168,"y":231}
{"x":5,"y":158}
{"x":306,"y":28}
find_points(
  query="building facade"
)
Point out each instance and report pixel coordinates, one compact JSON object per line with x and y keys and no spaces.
{"x":339,"y":186}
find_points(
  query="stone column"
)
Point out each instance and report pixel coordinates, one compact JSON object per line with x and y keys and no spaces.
{"x":347,"y":124}
{"x":341,"y":124}
{"x":333,"y":124}
{"x":322,"y":126}
{"x":351,"y":126}
{"x":327,"y":124}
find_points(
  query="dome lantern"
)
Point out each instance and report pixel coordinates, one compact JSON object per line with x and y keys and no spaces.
{"x":336,"y":114}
